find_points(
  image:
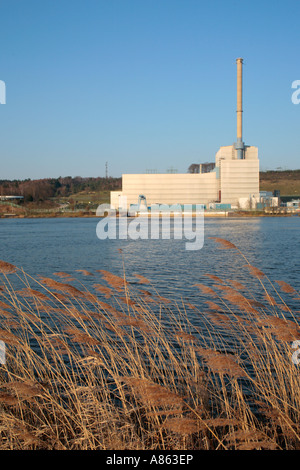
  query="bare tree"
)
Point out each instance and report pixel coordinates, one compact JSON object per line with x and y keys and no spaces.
{"x":194,"y":168}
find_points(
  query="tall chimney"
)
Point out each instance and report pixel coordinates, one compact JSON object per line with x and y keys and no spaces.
{"x":239,"y":143}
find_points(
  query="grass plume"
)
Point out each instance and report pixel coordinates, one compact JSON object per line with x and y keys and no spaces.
{"x":124,"y":368}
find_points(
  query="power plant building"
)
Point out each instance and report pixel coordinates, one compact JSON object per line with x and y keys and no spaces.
{"x":233,"y":180}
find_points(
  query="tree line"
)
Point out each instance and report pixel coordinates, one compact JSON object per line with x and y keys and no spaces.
{"x":47,"y":188}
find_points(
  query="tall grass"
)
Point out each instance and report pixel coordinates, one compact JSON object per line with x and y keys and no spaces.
{"x":121,"y":367}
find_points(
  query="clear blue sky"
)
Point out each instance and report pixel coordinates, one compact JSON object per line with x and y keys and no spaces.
{"x":144,"y":84}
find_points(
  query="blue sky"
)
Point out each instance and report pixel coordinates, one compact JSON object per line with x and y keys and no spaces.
{"x":144,"y":84}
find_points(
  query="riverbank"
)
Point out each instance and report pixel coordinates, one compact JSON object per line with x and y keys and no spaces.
{"x":90,"y":214}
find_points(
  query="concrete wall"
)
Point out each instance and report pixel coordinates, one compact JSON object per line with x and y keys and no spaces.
{"x":182,"y":188}
{"x":235,"y":178}
{"x":117,"y":200}
{"x":229,"y":152}
{"x":251,"y":152}
{"x":239,"y":179}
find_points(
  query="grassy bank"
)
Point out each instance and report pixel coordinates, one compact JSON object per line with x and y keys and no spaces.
{"x":120,"y":367}
{"x":286,"y":181}
{"x":7,"y":211}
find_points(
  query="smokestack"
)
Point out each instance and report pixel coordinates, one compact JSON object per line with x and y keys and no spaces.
{"x":239,"y":143}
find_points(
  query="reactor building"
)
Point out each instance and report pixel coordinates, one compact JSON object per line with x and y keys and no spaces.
{"x":233,"y":181}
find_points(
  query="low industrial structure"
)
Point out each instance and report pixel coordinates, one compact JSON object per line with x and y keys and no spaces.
{"x":293,"y":206}
{"x":230,"y":182}
{"x":11,"y":198}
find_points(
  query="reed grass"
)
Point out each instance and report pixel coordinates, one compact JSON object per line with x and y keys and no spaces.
{"x":121,"y":367}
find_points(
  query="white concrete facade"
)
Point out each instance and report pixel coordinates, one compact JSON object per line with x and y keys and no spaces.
{"x":238,"y":178}
{"x":231,"y":180}
{"x":183,"y":188}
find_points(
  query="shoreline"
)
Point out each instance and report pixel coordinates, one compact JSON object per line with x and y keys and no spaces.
{"x":227,"y":215}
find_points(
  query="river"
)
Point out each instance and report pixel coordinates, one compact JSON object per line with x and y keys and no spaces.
{"x":45,"y":246}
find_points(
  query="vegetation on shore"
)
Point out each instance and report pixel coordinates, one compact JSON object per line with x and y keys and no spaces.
{"x":121,"y":367}
{"x":286,"y":181}
{"x":50,"y":197}
{"x":48,"y":189}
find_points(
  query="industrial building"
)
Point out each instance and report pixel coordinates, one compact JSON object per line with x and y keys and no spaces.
{"x":233,"y":180}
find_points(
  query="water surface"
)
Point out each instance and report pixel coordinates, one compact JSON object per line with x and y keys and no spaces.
{"x":46,"y":246}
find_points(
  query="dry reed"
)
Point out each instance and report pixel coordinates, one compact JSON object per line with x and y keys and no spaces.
{"x":60,"y":286}
{"x":142,"y":279}
{"x":255,"y":271}
{"x":134,"y":372}
{"x":113,"y":280}
{"x":7,"y":268}
{"x":105,"y":290}
{"x":221,"y":363}
{"x":151,"y":393}
{"x":206,"y":289}
{"x":84,"y":272}
{"x":224,"y":244}
{"x":285,"y":287}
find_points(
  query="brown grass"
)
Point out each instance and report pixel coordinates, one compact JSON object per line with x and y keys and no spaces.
{"x":63,"y":275}
{"x":142,"y":279}
{"x":113,"y":280}
{"x":126,"y":373}
{"x":60,"y":286}
{"x":255,"y":271}
{"x":7,"y":268}
{"x":205,"y":289}
{"x":107,"y":291}
{"x":221,"y":363}
{"x":285,"y":287}
{"x":224,"y":244}
{"x":84,"y":272}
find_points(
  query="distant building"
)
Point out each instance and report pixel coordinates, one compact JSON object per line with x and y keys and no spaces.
{"x":295,"y":204}
{"x":11,"y":198}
